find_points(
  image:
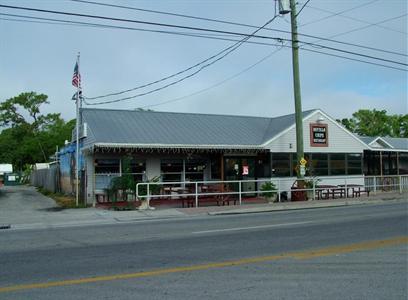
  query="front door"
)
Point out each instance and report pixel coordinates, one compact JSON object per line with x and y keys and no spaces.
{"x":240,"y":168}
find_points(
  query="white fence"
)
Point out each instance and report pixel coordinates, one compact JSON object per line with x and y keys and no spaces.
{"x":316,"y":188}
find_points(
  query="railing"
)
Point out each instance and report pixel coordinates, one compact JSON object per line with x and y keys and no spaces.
{"x":321,"y":187}
{"x":396,"y":183}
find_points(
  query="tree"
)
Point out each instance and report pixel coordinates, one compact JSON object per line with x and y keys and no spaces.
{"x":28,"y":136}
{"x":377,"y":123}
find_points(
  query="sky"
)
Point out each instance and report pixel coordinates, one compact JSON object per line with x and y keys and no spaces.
{"x":253,"y":80}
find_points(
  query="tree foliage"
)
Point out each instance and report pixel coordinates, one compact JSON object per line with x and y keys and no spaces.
{"x":29,"y":136}
{"x":377,"y":123}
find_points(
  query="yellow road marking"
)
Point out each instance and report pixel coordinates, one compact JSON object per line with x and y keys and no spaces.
{"x":296,"y":255}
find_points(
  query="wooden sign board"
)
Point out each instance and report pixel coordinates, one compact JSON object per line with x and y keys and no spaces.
{"x":319,"y":135}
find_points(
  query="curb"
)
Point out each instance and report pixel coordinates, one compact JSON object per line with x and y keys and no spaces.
{"x":299,"y":207}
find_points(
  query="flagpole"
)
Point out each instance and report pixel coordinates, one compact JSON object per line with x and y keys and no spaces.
{"x":77,"y":141}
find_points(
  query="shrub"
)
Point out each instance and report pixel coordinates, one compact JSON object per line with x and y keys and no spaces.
{"x":268,"y":189}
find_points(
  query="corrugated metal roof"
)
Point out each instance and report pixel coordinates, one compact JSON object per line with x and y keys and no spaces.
{"x":107,"y":126}
{"x":396,"y":143}
{"x":367,"y":139}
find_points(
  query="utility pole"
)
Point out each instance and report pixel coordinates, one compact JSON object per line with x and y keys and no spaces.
{"x":296,"y":89}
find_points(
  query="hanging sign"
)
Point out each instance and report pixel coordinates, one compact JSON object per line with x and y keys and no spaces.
{"x":319,"y":135}
{"x":245,"y":170}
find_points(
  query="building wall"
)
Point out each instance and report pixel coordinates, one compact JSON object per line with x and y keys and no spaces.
{"x":339,"y":139}
{"x":90,"y":178}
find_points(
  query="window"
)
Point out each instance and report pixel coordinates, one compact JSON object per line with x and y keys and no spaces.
{"x":389,"y":163}
{"x":195,"y":169}
{"x":319,"y":165}
{"x":171,"y":169}
{"x":372,"y":163}
{"x":403,"y":163}
{"x":107,"y":166}
{"x":354,"y":164}
{"x":138,"y":169}
{"x":338,"y":164}
{"x":281,"y":164}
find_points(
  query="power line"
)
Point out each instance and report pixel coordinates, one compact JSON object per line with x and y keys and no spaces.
{"x":240,"y":24}
{"x":192,"y":28}
{"x":217,"y":60}
{"x":357,"y":20}
{"x":304,"y":5}
{"x":243,"y":71}
{"x":227,"y":52}
{"x":340,"y":13}
{"x":98,"y":25}
{"x":188,"y":76}
{"x":178,"y":33}
{"x":372,"y":24}
{"x":216,"y":84}
{"x":320,"y":52}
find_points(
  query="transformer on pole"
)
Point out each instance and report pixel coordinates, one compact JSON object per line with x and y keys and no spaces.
{"x":284,"y":7}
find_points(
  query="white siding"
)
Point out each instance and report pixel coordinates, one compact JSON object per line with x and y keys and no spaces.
{"x":340,"y":140}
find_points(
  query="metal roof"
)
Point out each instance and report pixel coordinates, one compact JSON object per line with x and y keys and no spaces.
{"x":395,"y":143}
{"x":150,"y":128}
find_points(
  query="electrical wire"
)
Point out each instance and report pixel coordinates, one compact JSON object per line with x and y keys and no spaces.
{"x":175,"y":82}
{"x":216,"y":84}
{"x":373,"y":24}
{"x":300,"y":10}
{"x":357,"y":20}
{"x":236,"y":23}
{"x":227,"y":52}
{"x":169,"y":32}
{"x":98,"y":25}
{"x":340,"y":13}
{"x":258,"y":43}
{"x":191,"y":28}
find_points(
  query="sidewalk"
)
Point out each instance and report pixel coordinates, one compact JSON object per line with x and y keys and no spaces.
{"x":47,"y":219}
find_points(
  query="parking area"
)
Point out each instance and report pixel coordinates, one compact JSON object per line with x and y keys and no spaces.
{"x":23,"y":204}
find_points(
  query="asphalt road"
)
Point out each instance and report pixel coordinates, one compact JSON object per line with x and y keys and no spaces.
{"x":357,"y":252}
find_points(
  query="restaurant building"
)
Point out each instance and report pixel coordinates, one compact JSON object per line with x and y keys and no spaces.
{"x":178,"y":147}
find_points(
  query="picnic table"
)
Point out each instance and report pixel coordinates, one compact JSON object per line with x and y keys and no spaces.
{"x":324,"y":191}
{"x":356,"y":190}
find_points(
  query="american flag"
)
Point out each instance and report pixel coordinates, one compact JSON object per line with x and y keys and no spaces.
{"x":76,"y":78}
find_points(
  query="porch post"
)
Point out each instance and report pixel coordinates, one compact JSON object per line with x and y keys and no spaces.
{"x":222,"y":166}
{"x":398,"y":163}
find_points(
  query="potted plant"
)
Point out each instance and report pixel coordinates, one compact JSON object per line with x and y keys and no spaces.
{"x":269,"y":191}
{"x":310,"y":185}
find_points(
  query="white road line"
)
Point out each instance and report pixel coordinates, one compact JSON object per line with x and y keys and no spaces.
{"x":249,"y":228}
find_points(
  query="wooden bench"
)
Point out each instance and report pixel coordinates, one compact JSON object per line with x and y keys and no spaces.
{"x":357,"y":192}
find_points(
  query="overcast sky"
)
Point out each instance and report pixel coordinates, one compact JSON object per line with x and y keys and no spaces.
{"x":40,"y":57}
